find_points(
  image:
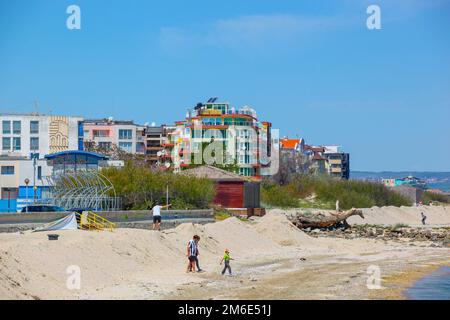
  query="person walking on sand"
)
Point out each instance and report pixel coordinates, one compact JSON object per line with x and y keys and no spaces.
{"x":156,"y":211}
{"x":197,"y":253}
{"x":424,"y":218}
{"x":226,"y":258}
{"x":192,"y":253}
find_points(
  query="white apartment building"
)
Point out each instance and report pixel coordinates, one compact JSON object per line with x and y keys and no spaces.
{"x":106,"y":133}
{"x":24,"y":134}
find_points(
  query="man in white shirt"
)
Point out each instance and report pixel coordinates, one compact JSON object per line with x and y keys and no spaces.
{"x":156,"y":211}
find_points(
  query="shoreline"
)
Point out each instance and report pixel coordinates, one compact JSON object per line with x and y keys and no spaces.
{"x":398,"y":283}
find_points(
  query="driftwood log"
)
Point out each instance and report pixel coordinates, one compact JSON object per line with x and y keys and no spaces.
{"x":325,"y":221}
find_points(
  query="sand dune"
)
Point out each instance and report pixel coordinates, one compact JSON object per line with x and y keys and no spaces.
{"x":32,"y":266}
{"x":436,"y":215}
{"x":144,"y":264}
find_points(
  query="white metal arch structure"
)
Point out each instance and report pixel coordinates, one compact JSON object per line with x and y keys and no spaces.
{"x":83,"y":189}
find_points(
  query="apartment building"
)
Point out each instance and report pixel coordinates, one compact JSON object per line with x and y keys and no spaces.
{"x":157,"y":138}
{"x":22,"y":135}
{"x":338,"y":163}
{"x":244,"y":139}
{"x":106,"y":133}
{"x":297,"y":156}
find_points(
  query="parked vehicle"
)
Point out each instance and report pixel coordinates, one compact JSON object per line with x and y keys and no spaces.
{"x":42,"y":208}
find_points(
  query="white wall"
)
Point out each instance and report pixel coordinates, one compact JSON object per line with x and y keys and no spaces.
{"x":43,"y":135}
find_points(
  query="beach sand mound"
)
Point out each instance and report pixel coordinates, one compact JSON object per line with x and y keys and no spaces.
{"x":34,"y":267}
{"x":436,"y":215}
{"x":278,"y":228}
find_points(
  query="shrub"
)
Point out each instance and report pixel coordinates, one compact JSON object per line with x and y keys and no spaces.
{"x":435,"y":197}
{"x":141,"y":187}
{"x":350,"y":193}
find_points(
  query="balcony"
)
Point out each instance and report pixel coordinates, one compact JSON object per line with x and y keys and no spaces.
{"x":335,"y":161}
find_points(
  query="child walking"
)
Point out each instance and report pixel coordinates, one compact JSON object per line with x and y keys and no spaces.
{"x":226,"y":258}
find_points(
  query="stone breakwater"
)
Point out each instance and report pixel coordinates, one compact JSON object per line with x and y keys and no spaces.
{"x":435,"y":237}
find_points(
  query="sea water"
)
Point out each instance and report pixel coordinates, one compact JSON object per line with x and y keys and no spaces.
{"x":435,"y":286}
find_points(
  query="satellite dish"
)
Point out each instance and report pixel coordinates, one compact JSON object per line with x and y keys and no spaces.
{"x":159,"y":153}
{"x":167,"y":165}
{"x":110,"y":119}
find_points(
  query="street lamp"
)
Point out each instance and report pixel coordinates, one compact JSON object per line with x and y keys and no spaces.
{"x":27,"y":181}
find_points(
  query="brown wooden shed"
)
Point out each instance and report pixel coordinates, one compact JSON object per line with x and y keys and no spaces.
{"x":232,"y":190}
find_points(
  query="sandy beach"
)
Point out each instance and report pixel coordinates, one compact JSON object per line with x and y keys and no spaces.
{"x":273,"y":260}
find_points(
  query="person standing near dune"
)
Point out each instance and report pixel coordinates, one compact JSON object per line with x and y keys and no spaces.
{"x":192,"y":253}
{"x":424,"y":218}
{"x":156,"y":211}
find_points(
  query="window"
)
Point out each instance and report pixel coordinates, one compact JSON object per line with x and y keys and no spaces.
{"x":8,"y":170}
{"x":16,"y":127}
{"x":34,"y":143}
{"x":6,"y":125}
{"x":101,"y":133}
{"x":16,"y":143}
{"x":126,"y":146}
{"x":34,"y":127}
{"x":6,"y":144}
{"x":125,"y":134}
{"x":39,"y":173}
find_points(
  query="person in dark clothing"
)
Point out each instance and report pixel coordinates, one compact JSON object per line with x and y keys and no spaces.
{"x":424,"y":218}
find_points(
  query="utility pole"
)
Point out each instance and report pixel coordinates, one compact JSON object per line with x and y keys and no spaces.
{"x":34,"y":178}
{"x":27,"y":181}
{"x":167,"y":195}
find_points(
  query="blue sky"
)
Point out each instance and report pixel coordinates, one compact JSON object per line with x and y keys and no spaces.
{"x":312,"y":68}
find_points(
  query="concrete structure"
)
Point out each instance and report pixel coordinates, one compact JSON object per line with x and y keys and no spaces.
{"x":413,"y":194}
{"x":238,"y":136}
{"x":13,"y":190}
{"x":22,"y":135}
{"x":141,"y":219}
{"x":107,"y":133}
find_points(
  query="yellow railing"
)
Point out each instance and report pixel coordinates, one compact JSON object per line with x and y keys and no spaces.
{"x":92,"y":221}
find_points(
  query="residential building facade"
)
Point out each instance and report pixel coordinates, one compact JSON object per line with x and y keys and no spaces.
{"x":156,"y":139}
{"x":338,"y":162}
{"x":243,"y":140}
{"x":107,"y":133}
{"x":298,"y":157}
{"x":22,"y":135}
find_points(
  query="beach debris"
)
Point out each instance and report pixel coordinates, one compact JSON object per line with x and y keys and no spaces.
{"x":53,"y":236}
{"x":320,"y":220}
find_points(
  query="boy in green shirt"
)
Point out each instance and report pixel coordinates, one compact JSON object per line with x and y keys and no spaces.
{"x":226,"y":258}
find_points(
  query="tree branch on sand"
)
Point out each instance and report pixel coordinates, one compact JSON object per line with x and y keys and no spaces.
{"x":324,"y":221}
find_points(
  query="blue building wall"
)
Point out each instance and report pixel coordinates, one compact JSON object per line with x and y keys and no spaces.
{"x":7,"y":206}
